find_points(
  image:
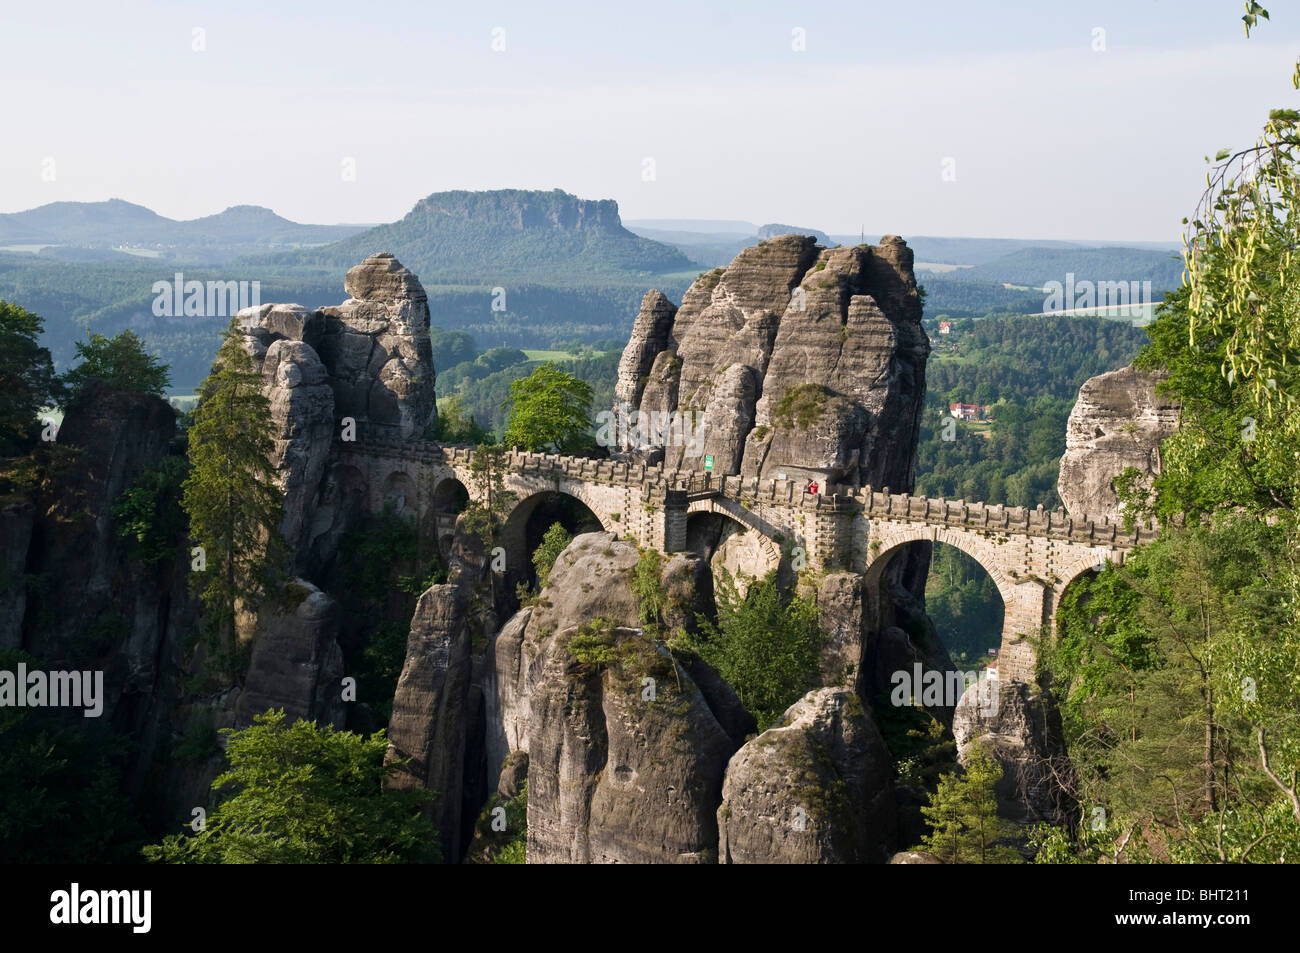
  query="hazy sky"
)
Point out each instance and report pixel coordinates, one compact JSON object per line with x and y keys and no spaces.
{"x":1049,"y":138}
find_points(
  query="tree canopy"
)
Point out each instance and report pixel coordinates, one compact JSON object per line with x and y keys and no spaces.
{"x":121,"y":362}
{"x":27,"y":380}
{"x":550,"y":409}
{"x":303,"y":794}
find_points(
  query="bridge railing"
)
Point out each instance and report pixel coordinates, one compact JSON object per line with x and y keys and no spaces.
{"x":875,"y":504}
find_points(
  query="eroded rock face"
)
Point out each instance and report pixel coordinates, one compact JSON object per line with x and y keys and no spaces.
{"x":435,"y":708}
{"x":855,"y":653}
{"x":16,"y":523}
{"x":620,"y":769}
{"x":296,"y":662}
{"x":377,"y":350}
{"x":1022,"y":729}
{"x":103,"y":609}
{"x":368,"y":359}
{"x":430,"y":706}
{"x":613,"y":776}
{"x":815,"y":789}
{"x":794,"y":359}
{"x":1117,"y":422}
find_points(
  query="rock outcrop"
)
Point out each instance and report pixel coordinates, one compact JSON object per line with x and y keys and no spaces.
{"x":815,"y":789}
{"x":376,"y":347}
{"x":1021,"y":728}
{"x":296,"y":663}
{"x":102,"y":608}
{"x":1117,"y":422}
{"x":432,"y":706}
{"x":369,"y":360}
{"x":625,"y":751}
{"x":794,"y":358}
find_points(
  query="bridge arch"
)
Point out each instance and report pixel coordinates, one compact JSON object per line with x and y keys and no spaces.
{"x":891,"y":539}
{"x":447,"y":500}
{"x":400,"y":492}
{"x":1026,"y":602}
{"x":532,"y":515}
{"x":710,"y":524}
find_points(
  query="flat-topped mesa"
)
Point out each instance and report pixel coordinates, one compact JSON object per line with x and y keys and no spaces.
{"x":793,"y":359}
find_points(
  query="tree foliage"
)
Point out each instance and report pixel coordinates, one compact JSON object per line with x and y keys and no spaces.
{"x":1179,"y":692}
{"x":27,"y":380}
{"x":549,"y":410}
{"x":302,"y":794}
{"x":149,"y":511}
{"x":121,"y":362}
{"x":554,"y":541}
{"x":230,"y":495}
{"x":765,"y":645}
{"x":963,"y":815}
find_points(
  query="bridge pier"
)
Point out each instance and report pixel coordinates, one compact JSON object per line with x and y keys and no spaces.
{"x":1025,"y":611}
{"x":671,"y":530}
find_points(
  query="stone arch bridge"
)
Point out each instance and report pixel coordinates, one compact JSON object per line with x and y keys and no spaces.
{"x":1031,"y":555}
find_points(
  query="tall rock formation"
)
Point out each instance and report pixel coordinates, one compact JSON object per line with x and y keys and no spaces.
{"x":794,"y":359}
{"x":376,"y":347}
{"x":369,"y":359}
{"x":1117,"y":422}
{"x":625,"y":751}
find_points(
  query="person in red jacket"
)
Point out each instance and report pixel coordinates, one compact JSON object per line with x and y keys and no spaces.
{"x":812,"y":487}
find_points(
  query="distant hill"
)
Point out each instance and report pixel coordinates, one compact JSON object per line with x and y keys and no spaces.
{"x":712,"y":243}
{"x":774,"y":231}
{"x":114,"y":223}
{"x":505,"y":237}
{"x":1037,"y":266}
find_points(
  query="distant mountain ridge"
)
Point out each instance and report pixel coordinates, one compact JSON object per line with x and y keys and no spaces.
{"x":118,"y":222}
{"x":504,"y":237}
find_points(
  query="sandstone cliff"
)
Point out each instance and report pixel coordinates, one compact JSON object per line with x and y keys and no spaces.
{"x":796,"y":359}
{"x":814,"y":789}
{"x":1117,"y":422}
{"x":368,"y":360}
{"x":626,"y":750}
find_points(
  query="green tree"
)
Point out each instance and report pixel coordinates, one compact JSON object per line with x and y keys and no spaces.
{"x":27,"y":380}
{"x":121,"y":362}
{"x":554,"y":542}
{"x":490,"y":500}
{"x":765,"y":645}
{"x":230,"y":495}
{"x":150,"y":513}
{"x":62,"y":796}
{"x":549,"y":409}
{"x":302,"y":794}
{"x":963,"y":815}
{"x":455,"y":425}
{"x":1179,"y":691}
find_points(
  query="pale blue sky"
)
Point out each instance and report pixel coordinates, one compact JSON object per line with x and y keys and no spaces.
{"x":1050,"y":138}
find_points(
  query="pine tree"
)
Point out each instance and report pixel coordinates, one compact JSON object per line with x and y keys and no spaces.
{"x":963,"y":815}
{"x":230,"y":495}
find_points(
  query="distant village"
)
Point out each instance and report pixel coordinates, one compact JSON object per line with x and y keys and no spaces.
{"x":970,"y":411}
